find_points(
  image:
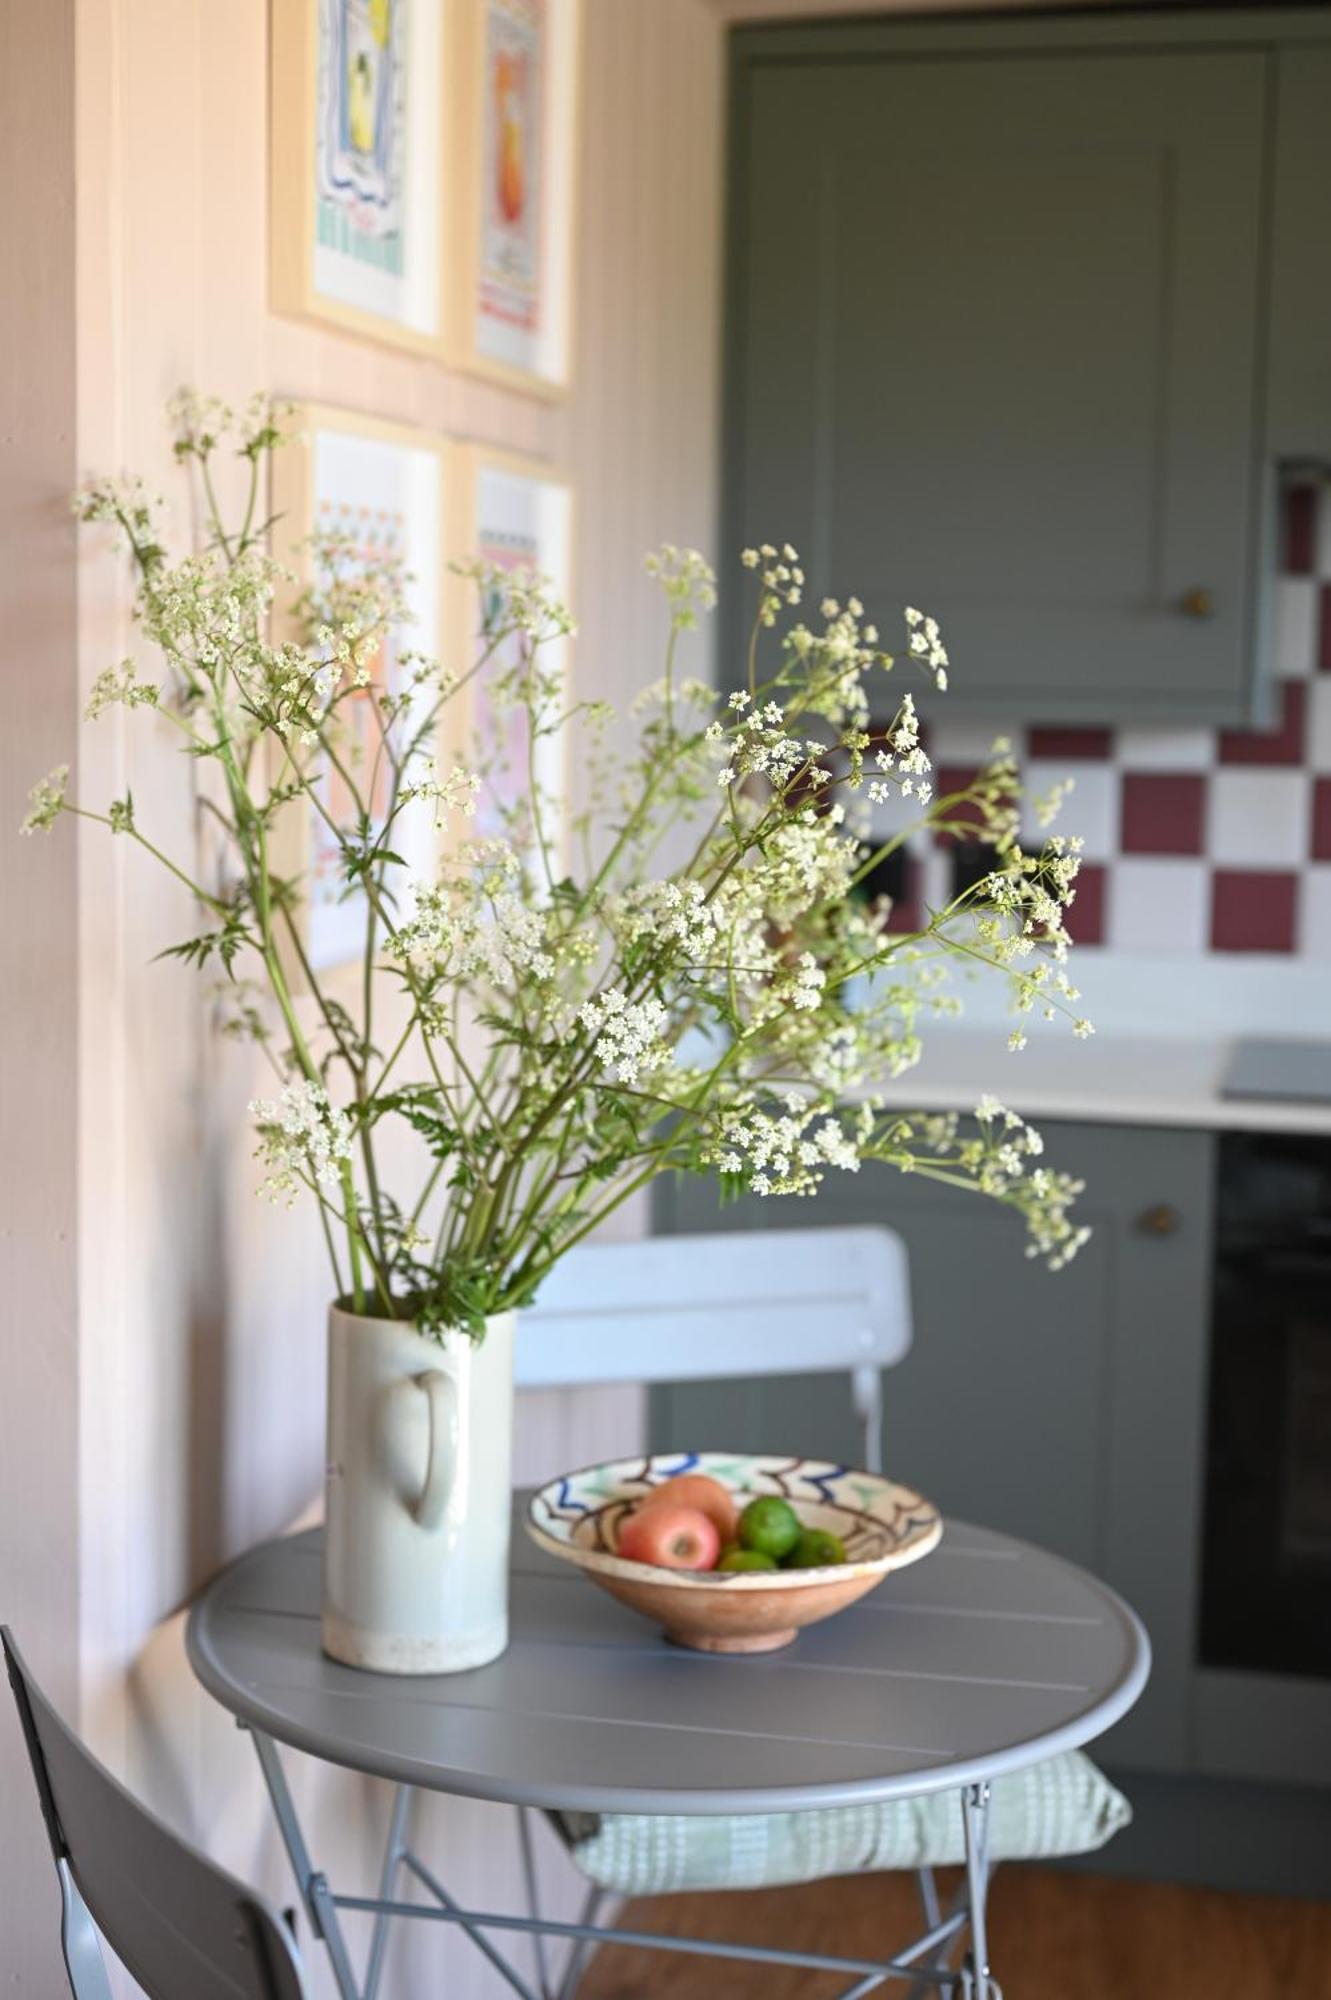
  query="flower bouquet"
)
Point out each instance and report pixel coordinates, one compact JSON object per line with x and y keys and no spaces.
{"x":684,"y":973}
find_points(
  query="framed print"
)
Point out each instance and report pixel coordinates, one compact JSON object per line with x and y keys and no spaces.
{"x":511,"y":513}
{"x":517,"y":68}
{"x":377,"y":493}
{"x":359,"y":163}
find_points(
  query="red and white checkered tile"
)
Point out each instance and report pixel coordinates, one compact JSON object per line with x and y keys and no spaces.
{"x":1199,"y":839}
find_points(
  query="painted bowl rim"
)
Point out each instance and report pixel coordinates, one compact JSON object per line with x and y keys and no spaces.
{"x":603,"y":1563}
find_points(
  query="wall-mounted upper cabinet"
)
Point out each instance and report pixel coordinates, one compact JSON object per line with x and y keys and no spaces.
{"x":997,"y":337}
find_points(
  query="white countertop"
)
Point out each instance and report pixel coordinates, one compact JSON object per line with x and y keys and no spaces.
{"x":1121,"y":1077}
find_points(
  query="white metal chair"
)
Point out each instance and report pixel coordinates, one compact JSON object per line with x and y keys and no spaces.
{"x":699,"y":1308}
{"x":747,"y":1302}
{"x":762,"y":1303}
{"x":181,"y":1925}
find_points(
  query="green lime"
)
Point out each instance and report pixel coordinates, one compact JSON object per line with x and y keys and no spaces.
{"x":815,"y":1549}
{"x":737,"y":1558}
{"x":769,"y":1525}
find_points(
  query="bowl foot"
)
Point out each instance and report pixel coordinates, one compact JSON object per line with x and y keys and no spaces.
{"x":739,"y":1642}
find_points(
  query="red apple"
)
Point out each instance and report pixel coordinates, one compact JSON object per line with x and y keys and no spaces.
{"x":695,"y":1489}
{"x":669,"y":1536}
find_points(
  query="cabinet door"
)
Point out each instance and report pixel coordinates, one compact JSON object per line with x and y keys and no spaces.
{"x":1064,"y":1407}
{"x":1299,"y":407}
{"x":993,"y":346}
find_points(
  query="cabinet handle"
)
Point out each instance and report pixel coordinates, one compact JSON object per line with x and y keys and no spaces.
{"x":1162,"y":1220}
{"x":1198,"y":603}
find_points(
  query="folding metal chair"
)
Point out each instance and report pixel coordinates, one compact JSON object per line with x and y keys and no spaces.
{"x":698,"y":1308}
{"x":182,"y":1926}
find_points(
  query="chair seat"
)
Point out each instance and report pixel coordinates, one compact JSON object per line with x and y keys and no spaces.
{"x":1061,"y":1806}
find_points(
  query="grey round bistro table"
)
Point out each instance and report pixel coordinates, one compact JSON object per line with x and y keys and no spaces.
{"x":988,"y":1655}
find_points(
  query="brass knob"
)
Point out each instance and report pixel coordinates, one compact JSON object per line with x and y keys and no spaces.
{"x":1162,"y":1220}
{"x":1198,"y":603}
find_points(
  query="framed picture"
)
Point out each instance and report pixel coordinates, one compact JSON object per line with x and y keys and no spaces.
{"x":359,"y":154}
{"x":512,"y":513}
{"x":379,"y":492}
{"x":517,"y":67}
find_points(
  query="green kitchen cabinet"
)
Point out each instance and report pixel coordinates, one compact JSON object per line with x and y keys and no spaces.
{"x":998,"y":311}
{"x":1064,"y":1407}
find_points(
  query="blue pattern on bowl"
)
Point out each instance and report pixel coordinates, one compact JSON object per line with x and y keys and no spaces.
{"x":883,"y":1525}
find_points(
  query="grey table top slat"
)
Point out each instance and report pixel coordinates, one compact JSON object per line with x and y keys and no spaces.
{"x":983,"y":1657}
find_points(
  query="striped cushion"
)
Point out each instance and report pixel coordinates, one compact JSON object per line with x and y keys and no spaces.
{"x":1062,"y":1806}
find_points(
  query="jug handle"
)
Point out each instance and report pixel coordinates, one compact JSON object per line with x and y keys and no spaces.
{"x":441,"y":1461}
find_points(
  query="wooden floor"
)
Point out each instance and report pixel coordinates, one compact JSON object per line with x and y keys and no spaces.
{"x":1053,"y":1936}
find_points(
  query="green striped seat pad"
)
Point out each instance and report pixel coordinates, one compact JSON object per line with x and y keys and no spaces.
{"x":1061,"y":1806}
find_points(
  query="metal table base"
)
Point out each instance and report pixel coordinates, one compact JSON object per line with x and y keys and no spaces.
{"x":972,"y":1979}
{"x":978,"y":1663}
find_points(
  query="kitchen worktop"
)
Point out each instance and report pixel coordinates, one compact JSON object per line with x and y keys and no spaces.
{"x":1124,"y":1078}
{"x":1166,"y":1031}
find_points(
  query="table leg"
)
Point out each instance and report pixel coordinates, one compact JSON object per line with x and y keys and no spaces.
{"x":956,"y":1915}
{"x":977,"y":1983}
{"x":578,"y":1955}
{"x":314,"y":1890}
{"x":394,"y":1849}
{"x":528,"y":1854}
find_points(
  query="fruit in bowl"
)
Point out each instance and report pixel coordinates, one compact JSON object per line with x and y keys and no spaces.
{"x":696,"y":1489}
{"x":807,"y":1538}
{"x":670,"y":1535}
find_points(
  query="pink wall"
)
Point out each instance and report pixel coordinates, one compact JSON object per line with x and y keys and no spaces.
{"x":162,"y":1400}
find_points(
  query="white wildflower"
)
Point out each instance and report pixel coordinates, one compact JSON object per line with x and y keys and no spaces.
{"x":120,"y":684}
{"x":46,"y":801}
{"x":301,"y":1137}
{"x":629,"y":1033}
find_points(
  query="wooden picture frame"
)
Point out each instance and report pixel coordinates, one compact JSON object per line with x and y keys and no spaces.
{"x":513,"y":511}
{"x":361,"y":153}
{"x":516,"y":72}
{"x":357,"y":475}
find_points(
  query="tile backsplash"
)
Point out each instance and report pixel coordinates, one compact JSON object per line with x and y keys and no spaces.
{"x":1196,"y":840}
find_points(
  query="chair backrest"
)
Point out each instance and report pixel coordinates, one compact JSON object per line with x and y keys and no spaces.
{"x":741,"y":1302}
{"x":178,"y":1923}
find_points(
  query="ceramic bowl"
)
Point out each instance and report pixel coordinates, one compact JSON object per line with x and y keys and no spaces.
{"x":883,"y":1527}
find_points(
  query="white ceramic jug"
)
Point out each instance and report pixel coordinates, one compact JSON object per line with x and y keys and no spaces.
{"x":419,"y":1495}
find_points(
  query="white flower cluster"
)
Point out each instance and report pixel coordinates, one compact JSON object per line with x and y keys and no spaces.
{"x":46,"y":801}
{"x":796,"y":988}
{"x":686,"y":693}
{"x":926,"y":644}
{"x":458,"y":792}
{"x":121,"y":502}
{"x":688,"y":580}
{"x":521,"y":600}
{"x":998,"y":1159}
{"x":838,"y":658}
{"x":786,"y":1152}
{"x":904,"y":756}
{"x":493,"y":936}
{"x":201,"y":422}
{"x":671,"y":913}
{"x":761,"y":745}
{"x":630,"y":1034}
{"x":120,"y":684}
{"x":782,"y":578}
{"x":301,"y":1137}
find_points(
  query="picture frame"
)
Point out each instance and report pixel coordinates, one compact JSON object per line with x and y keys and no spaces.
{"x":516,"y":67}
{"x":511,"y":511}
{"x":388,"y":485}
{"x":361,"y":166}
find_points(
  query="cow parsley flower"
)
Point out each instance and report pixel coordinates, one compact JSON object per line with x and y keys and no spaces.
{"x":688,"y":580}
{"x":120,"y":684}
{"x":301,"y":1137}
{"x":629,"y":1033}
{"x":46,"y":801}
